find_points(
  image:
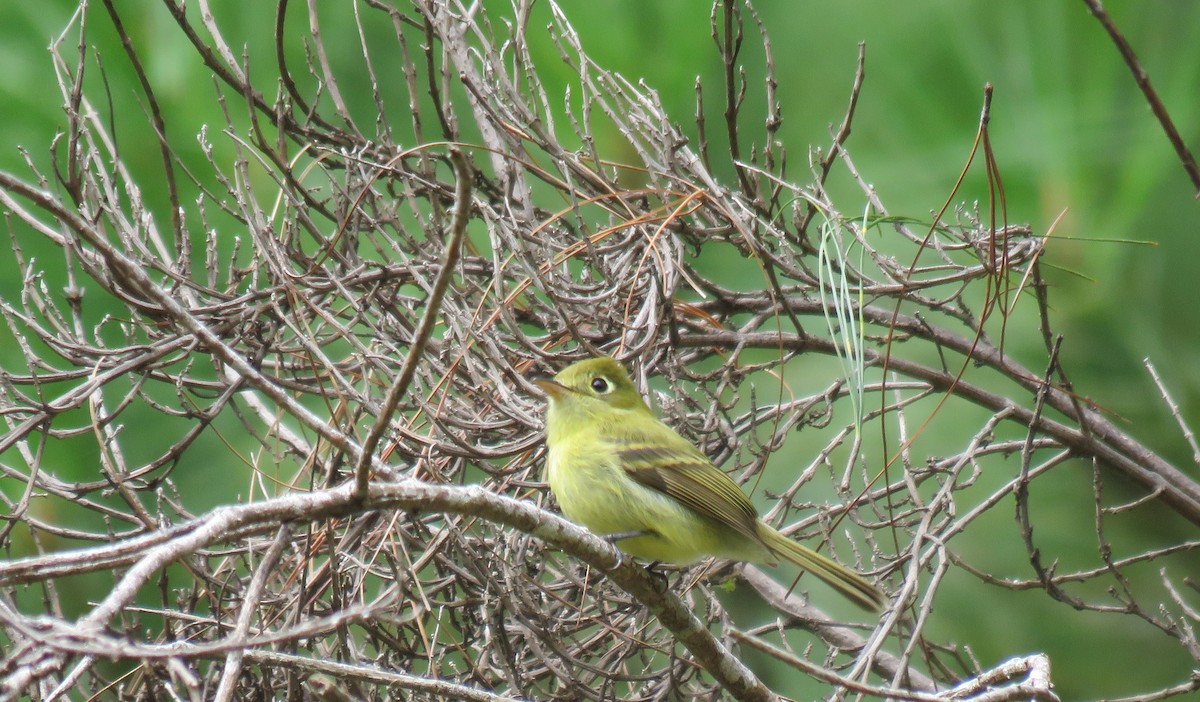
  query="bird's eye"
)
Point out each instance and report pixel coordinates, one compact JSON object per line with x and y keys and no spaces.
{"x":600,"y":385}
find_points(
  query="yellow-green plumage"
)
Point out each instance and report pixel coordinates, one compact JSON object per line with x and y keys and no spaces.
{"x":617,"y":469}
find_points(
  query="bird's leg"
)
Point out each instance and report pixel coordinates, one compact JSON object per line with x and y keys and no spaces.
{"x":612,"y":539}
{"x":661,"y":578}
{"x":622,"y":535}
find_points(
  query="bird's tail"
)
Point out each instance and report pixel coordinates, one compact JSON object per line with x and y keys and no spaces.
{"x":851,"y":584}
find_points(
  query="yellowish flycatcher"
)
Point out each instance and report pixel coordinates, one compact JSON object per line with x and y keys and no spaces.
{"x":620,"y":471}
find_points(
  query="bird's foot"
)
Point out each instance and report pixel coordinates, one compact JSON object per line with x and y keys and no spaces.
{"x":660,"y":578}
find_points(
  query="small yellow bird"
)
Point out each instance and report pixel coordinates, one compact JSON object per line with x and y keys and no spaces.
{"x":620,"y":471}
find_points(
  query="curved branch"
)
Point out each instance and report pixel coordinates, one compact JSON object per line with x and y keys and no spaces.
{"x":342,"y":501}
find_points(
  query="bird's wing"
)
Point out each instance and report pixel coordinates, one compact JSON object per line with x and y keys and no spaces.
{"x":662,"y":460}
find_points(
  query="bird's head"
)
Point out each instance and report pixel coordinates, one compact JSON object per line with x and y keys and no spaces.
{"x":593,"y":380}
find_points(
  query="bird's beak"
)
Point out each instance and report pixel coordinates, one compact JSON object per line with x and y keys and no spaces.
{"x":551,"y":387}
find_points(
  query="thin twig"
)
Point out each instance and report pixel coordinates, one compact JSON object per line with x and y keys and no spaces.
{"x":1184,"y":428}
{"x":1142,"y":78}
{"x":429,"y":317}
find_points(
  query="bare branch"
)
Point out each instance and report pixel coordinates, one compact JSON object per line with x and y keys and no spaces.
{"x":285,"y":444}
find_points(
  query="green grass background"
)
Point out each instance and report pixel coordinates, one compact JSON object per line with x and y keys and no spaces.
{"x":1071,"y":134}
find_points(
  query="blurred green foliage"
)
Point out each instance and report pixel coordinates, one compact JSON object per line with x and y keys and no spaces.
{"x":1071,"y":132}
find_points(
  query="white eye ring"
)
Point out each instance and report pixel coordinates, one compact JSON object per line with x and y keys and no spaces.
{"x":601,"y":385}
